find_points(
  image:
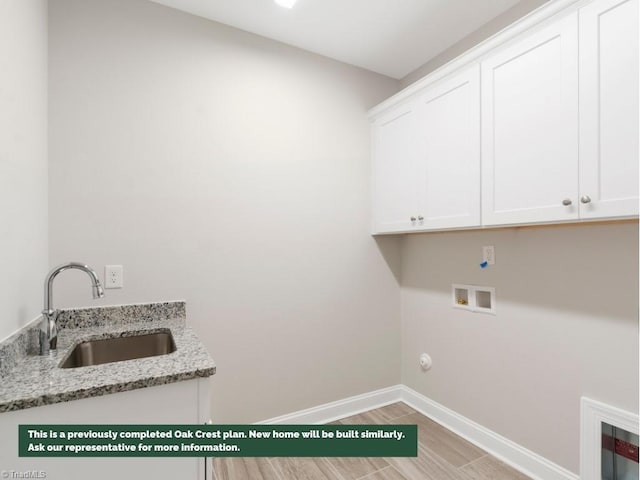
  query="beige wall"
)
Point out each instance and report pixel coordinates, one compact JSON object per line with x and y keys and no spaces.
{"x":566,"y":323}
{"x":522,"y":8}
{"x":231,"y":171}
{"x":566,"y":326}
{"x":23,"y":161}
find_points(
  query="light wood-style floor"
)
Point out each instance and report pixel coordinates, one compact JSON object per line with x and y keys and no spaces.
{"x":442,"y":455}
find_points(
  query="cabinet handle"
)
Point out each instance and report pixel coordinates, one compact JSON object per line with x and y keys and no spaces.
{"x":413,"y":219}
{"x":566,"y":202}
{"x":420,"y":218}
{"x":585,"y":199}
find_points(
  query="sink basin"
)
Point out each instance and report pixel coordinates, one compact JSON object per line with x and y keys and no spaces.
{"x":107,"y":350}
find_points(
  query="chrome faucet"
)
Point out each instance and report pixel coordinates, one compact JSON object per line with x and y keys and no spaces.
{"x":48,"y":326}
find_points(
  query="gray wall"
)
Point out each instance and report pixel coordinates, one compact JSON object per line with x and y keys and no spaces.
{"x":566,"y":325}
{"x":23,"y":161}
{"x":492,"y":27}
{"x":231,"y":171}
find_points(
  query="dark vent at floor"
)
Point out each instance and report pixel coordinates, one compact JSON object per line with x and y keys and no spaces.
{"x":619,"y":453}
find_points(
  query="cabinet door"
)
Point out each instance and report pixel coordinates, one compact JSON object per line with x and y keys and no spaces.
{"x":449,"y":170}
{"x":394,"y":176}
{"x":530,"y":128}
{"x":174,"y":403}
{"x":609,"y":109}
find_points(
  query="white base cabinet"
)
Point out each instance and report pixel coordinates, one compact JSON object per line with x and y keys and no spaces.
{"x":176,"y":403}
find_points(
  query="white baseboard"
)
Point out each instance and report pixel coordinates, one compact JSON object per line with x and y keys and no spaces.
{"x":330,"y":412}
{"x":518,"y":457}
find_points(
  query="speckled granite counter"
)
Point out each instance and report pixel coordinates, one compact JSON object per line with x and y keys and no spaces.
{"x":29,"y":380}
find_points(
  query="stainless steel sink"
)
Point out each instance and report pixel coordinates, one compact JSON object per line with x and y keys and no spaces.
{"x":107,"y":350}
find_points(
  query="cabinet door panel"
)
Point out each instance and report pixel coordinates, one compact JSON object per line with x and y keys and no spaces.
{"x":395,"y":156}
{"x":174,"y":403}
{"x":609,"y":108}
{"x":449,"y":170}
{"x":530,"y":128}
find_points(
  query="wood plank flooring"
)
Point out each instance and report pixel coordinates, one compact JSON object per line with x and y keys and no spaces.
{"x":442,"y":455}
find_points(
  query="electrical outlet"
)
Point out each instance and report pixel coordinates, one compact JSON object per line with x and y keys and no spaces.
{"x":113,"y":276}
{"x":489,"y":255}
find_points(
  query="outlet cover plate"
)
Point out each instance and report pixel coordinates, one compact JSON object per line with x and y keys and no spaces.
{"x":113,"y":276}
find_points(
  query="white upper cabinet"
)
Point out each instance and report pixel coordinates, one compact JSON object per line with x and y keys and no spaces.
{"x":427,"y":159}
{"x":537,"y":125}
{"x":449,"y":167}
{"x":530,"y":128}
{"x":609,"y":109}
{"x":395,"y":158}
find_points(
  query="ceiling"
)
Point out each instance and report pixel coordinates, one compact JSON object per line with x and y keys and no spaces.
{"x":391,"y":37}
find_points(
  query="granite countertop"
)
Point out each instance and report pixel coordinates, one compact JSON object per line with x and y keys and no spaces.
{"x":30,"y":380}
